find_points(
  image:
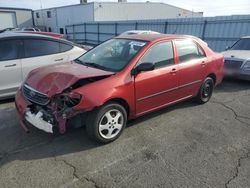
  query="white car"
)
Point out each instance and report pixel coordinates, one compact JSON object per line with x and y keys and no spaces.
{"x":237,"y":59}
{"x":20,"y":53}
{"x":139,"y":32}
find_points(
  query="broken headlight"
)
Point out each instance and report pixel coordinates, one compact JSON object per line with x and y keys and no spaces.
{"x":68,"y":100}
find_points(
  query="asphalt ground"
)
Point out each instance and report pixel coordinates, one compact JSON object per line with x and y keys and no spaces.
{"x":185,"y":145}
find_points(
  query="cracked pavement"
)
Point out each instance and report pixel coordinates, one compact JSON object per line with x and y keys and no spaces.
{"x":185,"y":145}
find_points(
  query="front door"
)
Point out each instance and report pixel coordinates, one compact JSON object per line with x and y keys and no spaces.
{"x":10,"y":67}
{"x":157,"y":88}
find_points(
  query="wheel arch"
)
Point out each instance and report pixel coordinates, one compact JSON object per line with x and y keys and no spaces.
{"x":120,"y":101}
{"x":213,"y":76}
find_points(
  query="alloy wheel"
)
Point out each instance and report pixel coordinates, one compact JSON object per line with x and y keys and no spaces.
{"x":111,"y":124}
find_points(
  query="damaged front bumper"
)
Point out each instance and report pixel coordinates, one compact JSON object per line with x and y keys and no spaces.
{"x":42,"y":117}
{"x":38,"y":121}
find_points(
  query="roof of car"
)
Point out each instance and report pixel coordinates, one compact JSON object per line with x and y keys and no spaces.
{"x":153,"y":37}
{"x":21,"y":34}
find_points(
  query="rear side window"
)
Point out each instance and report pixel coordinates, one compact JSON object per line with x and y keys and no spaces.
{"x":188,"y":50}
{"x":65,"y":47}
{"x":38,"y":47}
{"x":8,"y":50}
{"x":160,"y":54}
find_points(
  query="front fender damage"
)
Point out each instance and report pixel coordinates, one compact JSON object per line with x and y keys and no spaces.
{"x":60,"y":112}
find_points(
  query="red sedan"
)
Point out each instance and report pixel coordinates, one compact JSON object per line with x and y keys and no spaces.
{"x":120,"y":79}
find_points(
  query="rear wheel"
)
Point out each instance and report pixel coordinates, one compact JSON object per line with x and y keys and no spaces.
{"x":206,"y":91}
{"x":106,"y":123}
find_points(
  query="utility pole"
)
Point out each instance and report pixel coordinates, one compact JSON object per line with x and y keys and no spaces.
{"x":41,"y":7}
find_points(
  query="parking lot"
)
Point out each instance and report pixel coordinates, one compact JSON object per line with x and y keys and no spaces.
{"x":186,"y":145}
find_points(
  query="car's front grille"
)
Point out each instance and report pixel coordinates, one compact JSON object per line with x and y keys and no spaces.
{"x":233,"y":64}
{"x":34,"y":95}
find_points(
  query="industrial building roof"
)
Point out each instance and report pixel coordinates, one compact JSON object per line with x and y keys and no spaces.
{"x":13,"y":8}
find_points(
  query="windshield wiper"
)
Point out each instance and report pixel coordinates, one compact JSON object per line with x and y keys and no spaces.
{"x":95,"y":65}
{"x":89,"y":64}
{"x":78,"y":61}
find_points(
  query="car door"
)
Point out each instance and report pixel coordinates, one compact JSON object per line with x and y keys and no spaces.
{"x":157,"y":88}
{"x":41,"y":52}
{"x":192,"y":64}
{"x":10,"y":67}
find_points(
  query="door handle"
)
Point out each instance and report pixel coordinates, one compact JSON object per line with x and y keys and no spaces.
{"x":13,"y":65}
{"x":203,"y":63}
{"x":59,"y":59}
{"x":173,"y":71}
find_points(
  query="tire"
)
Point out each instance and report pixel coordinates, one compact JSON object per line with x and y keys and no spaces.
{"x":106,"y":123}
{"x":206,"y":91}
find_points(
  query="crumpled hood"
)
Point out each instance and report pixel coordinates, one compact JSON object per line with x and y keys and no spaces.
{"x":240,"y":54}
{"x":54,"y":79}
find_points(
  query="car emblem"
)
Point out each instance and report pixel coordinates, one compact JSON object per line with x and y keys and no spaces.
{"x":32,"y":93}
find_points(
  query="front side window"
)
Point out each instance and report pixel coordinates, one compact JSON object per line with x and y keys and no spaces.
{"x":112,"y":55}
{"x":160,"y":54}
{"x":8,"y":50}
{"x":38,"y":47}
{"x":37,"y":15}
{"x":242,"y":44}
{"x":188,"y":50}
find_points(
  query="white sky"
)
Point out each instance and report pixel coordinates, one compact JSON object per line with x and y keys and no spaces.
{"x":209,"y":7}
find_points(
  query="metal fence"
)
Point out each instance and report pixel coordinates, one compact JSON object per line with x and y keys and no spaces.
{"x":218,"y":32}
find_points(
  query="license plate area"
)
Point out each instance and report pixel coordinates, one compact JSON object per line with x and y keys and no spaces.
{"x":36,"y":119}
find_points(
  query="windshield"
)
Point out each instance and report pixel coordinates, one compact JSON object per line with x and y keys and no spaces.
{"x":112,"y":55}
{"x":242,"y":44}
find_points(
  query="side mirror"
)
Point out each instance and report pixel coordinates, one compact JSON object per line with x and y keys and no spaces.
{"x":228,"y":47}
{"x":143,"y":67}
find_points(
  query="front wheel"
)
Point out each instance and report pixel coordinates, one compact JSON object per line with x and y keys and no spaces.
{"x":106,"y":123}
{"x":206,"y":91}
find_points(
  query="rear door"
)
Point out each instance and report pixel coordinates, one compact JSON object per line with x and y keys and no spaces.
{"x":10,"y":67}
{"x":192,"y":64}
{"x":157,"y":88}
{"x":41,"y":52}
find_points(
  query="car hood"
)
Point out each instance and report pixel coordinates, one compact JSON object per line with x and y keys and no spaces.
{"x":240,"y":54}
{"x":54,"y":79}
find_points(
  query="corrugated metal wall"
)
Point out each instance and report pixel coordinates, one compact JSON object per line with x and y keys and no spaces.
{"x":218,"y":32}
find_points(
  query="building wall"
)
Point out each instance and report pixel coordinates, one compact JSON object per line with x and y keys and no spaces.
{"x":62,"y":16}
{"x":111,"y":11}
{"x":23,"y":16}
{"x":41,"y":19}
{"x":107,"y":11}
